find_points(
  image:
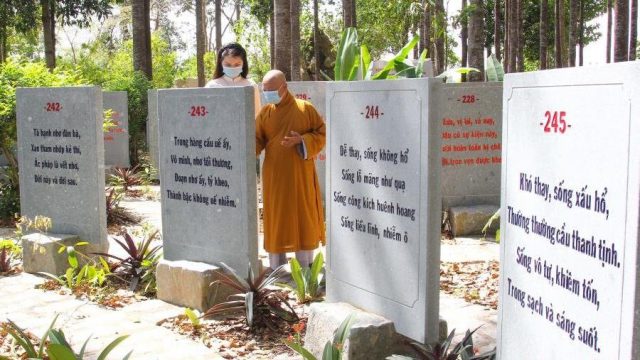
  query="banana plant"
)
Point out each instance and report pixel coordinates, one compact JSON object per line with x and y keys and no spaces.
{"x":493,"y":69}
{"x":353,"y":61}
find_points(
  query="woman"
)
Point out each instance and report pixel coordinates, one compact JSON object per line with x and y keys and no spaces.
{"x":232,"y":69}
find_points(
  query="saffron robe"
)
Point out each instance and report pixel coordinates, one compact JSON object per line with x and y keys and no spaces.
{"x":293,"y":214}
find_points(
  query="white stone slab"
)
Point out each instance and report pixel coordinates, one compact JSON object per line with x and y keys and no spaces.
{"x":61,"y":157}
{"x":395,"y":278}
{"x":207,"y":175}
{"x":570,"y":201}
{"x":116,"y":141}
{"x":470,"y":119}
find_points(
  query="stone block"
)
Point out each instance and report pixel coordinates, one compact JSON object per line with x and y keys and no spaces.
{"x":371,"y":336}
{"x":469,"y":220}
{"x":40,"y":252}
{"x":188,"y":283}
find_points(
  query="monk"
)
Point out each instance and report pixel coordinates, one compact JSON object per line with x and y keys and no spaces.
{"x":292,"y":133}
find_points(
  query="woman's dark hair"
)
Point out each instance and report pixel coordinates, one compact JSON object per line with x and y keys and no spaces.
{"x":233,"y":49}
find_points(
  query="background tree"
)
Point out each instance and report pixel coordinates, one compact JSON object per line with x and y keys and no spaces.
{"x":497,"y":25}
{"x":574,"y":9}
{"x":440,"y":34}
{"x":544,"y":31}
{"x":633,"y":29}
{"x":282,"y":15}
{"x":200,"y":7}
{"x":349,"y":13}
{"x":140,"y":14}
{"x":621,"y":39}
{"x":464,"y":32}
{"x":15,"y":16}
{"x":476,"y":40}
{"x":609,"y":29}
{"x":295,"y":40}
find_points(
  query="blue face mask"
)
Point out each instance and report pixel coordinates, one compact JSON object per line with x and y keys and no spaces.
{"x":271,"y":97}
{"x":232,"y":72}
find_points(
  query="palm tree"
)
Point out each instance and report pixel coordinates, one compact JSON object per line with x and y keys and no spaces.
{"x":558,"y":32}
{"x":476,"y":40}
{"x":544,"y":28}
{"x":573,"y":31}
{"x":140,"y":13}
{"x":218,"y":11}
{"x":349,"y":13}
{"x":441,"y":31}
{"x":464,"y":35}
{"x":282,"y":15}
{"x":295,"y":40}
{"x":621,"y":40}
{"x":200,"y":40}
{"x":609,"y":26}
{"x":633,"y":37}
{"x":496,"y":29}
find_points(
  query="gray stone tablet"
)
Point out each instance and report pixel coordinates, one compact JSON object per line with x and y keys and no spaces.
{"x":116,"y":141}
{"x":61,"y":156}
{"x":383,"y":202}
{"x":207,"y":175}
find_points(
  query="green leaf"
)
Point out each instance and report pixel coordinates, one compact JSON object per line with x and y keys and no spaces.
{"x":193,"y":317}
{"x":314,"y":277}
{"x":61,"y":249}
{"x":72,"y":257}
{"x":400,"y":57}
{"x":22,"y":339}
{"x":60,"y":352}
{"x":498,"y":235}
{"x":45,"y":336}
{"x":248,"y":304}
{"x":296,"y":274}
{"x":330,"y":352}
{"x":342,"y":333}
{"x":111,"y":346}
{"x":82,"y":243}
{"x":69,"y":276}
{"x":421,"y":61}
{"x":494,"y":69}
{"x":81,"y":274}
{"x":365,"y":61}
{"x":306,"y":355}
{"x":347,"y":55}
{"x":84,"y":347}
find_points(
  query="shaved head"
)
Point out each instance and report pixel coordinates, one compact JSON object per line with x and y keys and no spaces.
{"x":273,"y":80}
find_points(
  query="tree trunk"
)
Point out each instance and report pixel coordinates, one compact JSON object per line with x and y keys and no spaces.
{"x":520,"y":38}
{"x":141,"y":37}
{"x":200,"y":40}
{"x":425,"y":31}
{"x":49,"y":32}
{"x":544,"y":26}
{"x":496,"y":30}
{"x":507,"y":30}
{"x":621,"y":40}
{"x":633,"y":28}
{"x":238,"y":8}
{"x":283,"y":37}
{"x":513,"y":36}
{"x":295,"y":40}
{"x":464,"y":35}
{"x":581,"y":35}
{"x":609,"y":27}
{"x":441,"y":20}
{"x":558,"y":33}
{"x":3,"y":43}
{"x":272,"y":35}
{"x":573,"y":31}
{"x":349,"y":13}
{"x":476,"y":41}
{"x":316,"y":39}
{"x":218,"y":14}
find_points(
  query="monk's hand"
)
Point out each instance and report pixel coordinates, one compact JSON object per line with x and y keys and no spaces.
{"x":292,"y":140}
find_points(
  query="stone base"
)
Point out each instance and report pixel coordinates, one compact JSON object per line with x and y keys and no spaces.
{"x":188,"y":283}
{"x":40,"y":252}
{"x":371,"y":336}
{"x":469,"y":220}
